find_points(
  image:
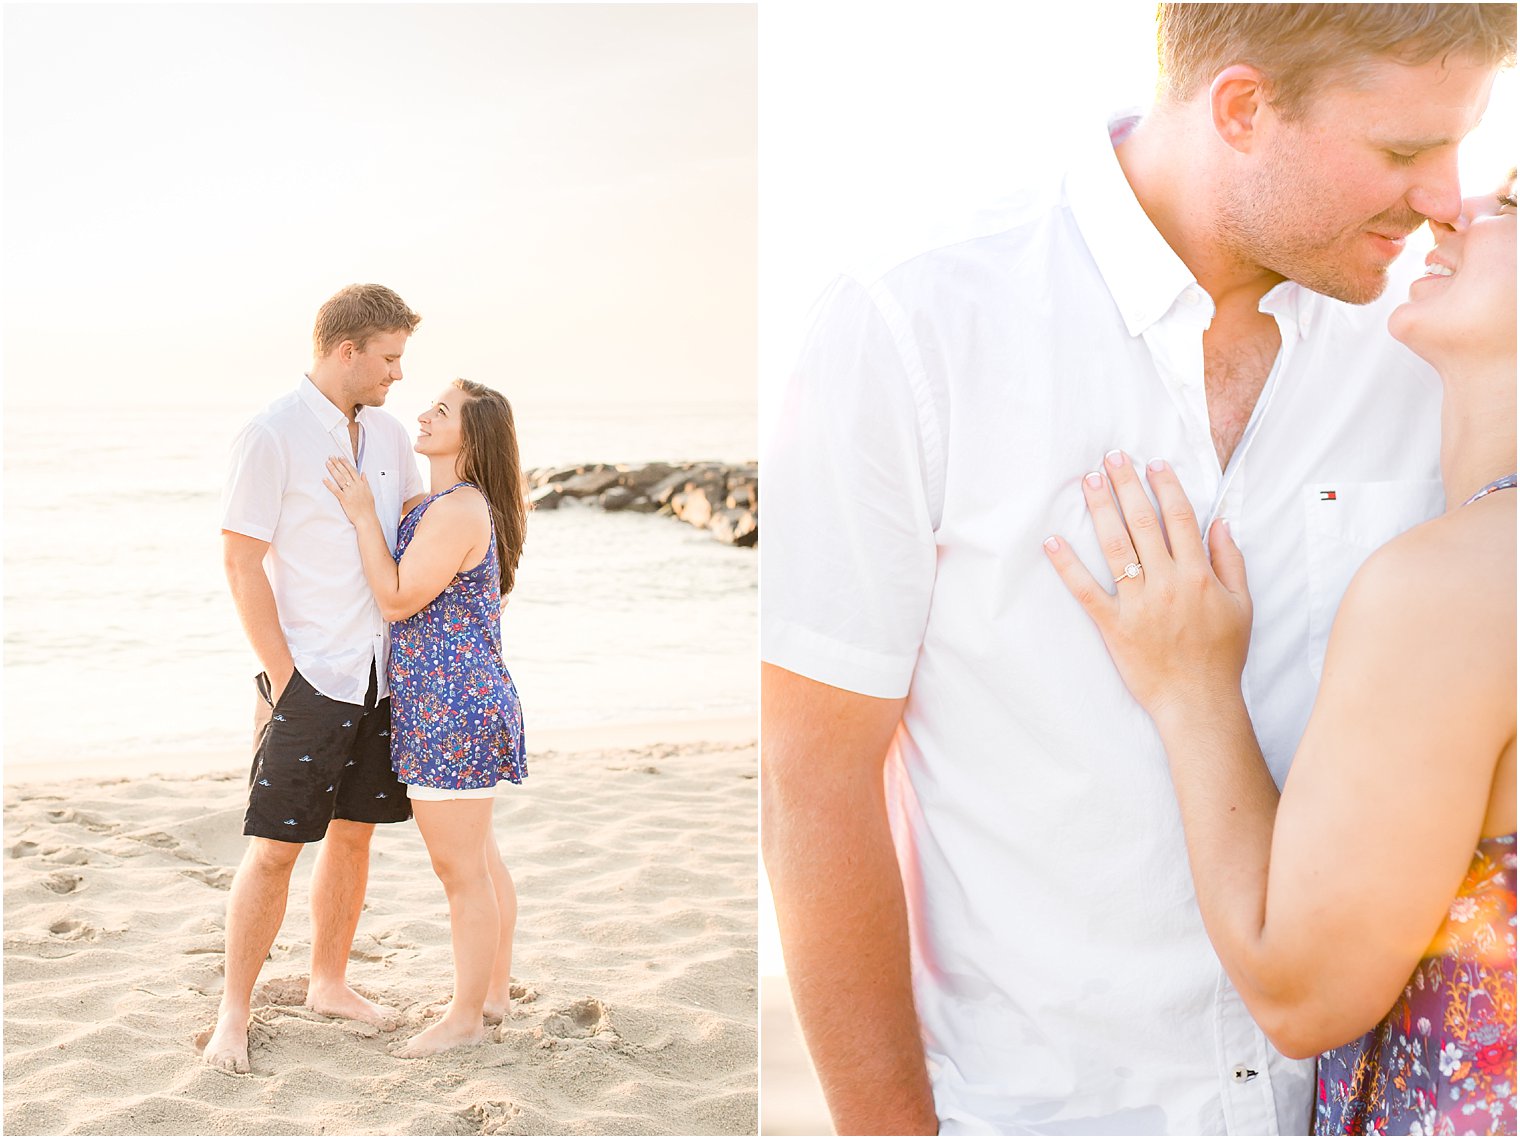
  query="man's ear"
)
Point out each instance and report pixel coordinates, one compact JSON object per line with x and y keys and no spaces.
{"x":346,"y":351}
{"x":1238,"y":105}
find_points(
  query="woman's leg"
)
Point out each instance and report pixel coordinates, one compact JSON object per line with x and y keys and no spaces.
{"x":455,"y":831}
{"x":498,"y":995}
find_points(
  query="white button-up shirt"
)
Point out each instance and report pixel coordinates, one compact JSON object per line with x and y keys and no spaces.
{"x":274,"y":492}
{"x":934,"y":434}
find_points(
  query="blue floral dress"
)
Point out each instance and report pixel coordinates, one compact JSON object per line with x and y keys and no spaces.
{"x":456,"y":722}
{"x":1443,"y":1061}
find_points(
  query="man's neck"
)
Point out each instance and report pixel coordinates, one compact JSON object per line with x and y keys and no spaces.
{"x":330,"y":384}
{"x":1166,"y":167}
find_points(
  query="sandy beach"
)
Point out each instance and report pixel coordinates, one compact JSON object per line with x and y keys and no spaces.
{"x":635,"y":960}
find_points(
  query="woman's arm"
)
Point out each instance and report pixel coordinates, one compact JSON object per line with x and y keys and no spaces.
{"x":1320,"y":922}
{"x":1385,"y":803}
{"x":454,"y":527}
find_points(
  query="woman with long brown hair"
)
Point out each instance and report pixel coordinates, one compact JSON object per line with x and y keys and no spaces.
{"x":456,"y":722}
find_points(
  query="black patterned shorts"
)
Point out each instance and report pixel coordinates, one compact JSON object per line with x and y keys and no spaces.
{"x":320,"y":759}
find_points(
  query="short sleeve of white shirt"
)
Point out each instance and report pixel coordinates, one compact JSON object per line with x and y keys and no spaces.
{"x":255,"y":484}
{"x":853,"y":482}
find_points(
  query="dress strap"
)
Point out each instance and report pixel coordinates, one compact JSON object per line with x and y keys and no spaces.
{"x":450,"y":490}
{"x":1506,"y":483}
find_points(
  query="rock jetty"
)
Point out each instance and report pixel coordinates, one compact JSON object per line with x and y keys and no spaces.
{"x":721,"y":498}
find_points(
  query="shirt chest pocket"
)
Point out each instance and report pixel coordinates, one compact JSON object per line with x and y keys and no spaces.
{"x":385,"y":485}
{"x":1344,"y":524}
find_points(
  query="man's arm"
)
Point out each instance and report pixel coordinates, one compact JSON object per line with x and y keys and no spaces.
{"x":839,"y":900}
{"x":243,"y":559}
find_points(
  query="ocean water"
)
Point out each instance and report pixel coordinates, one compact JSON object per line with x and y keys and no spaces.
{"x":121,"y":641}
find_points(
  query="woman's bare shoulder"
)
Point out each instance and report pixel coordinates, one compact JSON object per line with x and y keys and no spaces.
{"x":1447,"y":581}
{"x":468,"y":498}
{"x":1473,"y":546}
{"x":463,"y":507}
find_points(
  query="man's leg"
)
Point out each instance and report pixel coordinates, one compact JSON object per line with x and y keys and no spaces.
{"x":337,"y":895}
{"x":255,"y":909}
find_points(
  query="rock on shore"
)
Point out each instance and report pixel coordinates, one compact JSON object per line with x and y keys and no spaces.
{"x":721,"y":498}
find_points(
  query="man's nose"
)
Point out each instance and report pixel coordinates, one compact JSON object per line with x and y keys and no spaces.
{"x":1438,"y":196}
{"x":1469,"y":208}
{"x":1438,"y":229}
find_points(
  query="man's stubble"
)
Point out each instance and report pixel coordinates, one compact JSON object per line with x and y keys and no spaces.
{"x":1272,"y":221}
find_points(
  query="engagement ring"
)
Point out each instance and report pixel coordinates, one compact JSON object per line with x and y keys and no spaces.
{"x":1131,"y":570}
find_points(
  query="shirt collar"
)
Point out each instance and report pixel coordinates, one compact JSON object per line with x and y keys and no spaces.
{"x":328,"y":414}
{"x":1143,"y":273}
{"x":1293,"y":306}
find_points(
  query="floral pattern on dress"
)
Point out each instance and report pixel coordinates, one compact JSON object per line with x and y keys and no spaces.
{"x":456,"y":722}
{"x":1442,"y":1062}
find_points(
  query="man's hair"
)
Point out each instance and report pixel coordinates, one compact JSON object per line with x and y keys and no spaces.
{"x":356,"y":313}
{"x":1302,"y":48}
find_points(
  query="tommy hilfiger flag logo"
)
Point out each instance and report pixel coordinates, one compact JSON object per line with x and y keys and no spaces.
{"x":1327,"y":496}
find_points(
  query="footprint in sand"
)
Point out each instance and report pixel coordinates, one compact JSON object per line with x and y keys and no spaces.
{"x":156,"y":839}
{"x":22,"y":850}
{"x":581,"y":1019}
{"x":67,"y":856}
{"x":81,"y":818}
{"x":219,"y":878}
{"x":282,"y":991}
{"x":72,"y":929}
{"x":61,"y":883}
{"x":490,"y":1117}
{"x":392,"y":940}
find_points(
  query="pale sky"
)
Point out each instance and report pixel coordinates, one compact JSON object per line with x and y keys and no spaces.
{"x":885,"y":121}
{"x":565,"y":192}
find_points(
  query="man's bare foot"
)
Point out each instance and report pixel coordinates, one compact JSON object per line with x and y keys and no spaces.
{"x":344,"y":1002}
{"x":227,"y":1047}
{"x":447,"y":1033}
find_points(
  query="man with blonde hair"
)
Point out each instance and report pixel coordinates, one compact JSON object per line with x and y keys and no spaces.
{"x":979,"y":871}
{"x":321,"y":767}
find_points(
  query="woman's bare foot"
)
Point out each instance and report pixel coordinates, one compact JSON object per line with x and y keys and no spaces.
{"x":344,"y":1002}
{"x":450,"y":1032}
{"x":497,"y":1008}
{"x":227,"y":1046}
